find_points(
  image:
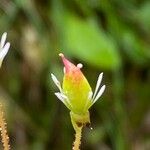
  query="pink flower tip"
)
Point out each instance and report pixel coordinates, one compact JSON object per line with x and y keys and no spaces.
{"x":69,"y":67}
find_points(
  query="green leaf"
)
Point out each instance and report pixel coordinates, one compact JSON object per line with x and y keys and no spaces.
{"x":86,"y":41}
{"x":142,"y":15}
{"x":135,"y":48}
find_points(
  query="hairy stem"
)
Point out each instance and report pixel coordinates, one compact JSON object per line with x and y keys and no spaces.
{"x":4,"y":136}
{"x":77,"y":142}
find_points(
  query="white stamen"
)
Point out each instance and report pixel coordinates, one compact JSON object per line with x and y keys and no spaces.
{"x":61,"y":54}
{"x":3,"y":39}
{"x":63,"y":96}
{"x":4,"y":50}
{"x":90,"y":95}
{"x":98,"y":84}
{"x":99,"y":94}
{"x":64,"y":70}
{"x":79,"y":65}
{"x":56,"y":81}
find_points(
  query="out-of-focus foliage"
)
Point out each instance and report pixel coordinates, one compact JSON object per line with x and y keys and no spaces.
{"x":110,"y":36}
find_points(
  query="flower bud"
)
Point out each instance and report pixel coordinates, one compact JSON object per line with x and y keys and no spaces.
{"x":75,"y":87}
{"x":76,"y":93}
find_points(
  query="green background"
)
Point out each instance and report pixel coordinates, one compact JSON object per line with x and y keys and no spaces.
{"x":110,"y":36}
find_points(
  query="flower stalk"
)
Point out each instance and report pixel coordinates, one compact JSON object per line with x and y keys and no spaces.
{"x":77,"y":142}
{"x":4,"y":47}
{"x":3,"y":130}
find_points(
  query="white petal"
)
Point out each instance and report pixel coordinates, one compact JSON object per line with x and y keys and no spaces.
{"x":3,"y":39}
{"x":98,"y":84}
{"x":4,"y":50}
{"x":64,"y":99}
{"x":59,"y":96}
{"x":56,"y":81}
{"x":101,"y":91}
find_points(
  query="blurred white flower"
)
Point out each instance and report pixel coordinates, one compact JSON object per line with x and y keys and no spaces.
{"x":4,"y":47}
